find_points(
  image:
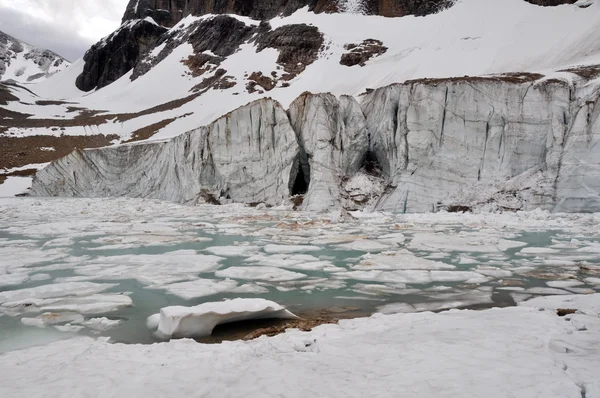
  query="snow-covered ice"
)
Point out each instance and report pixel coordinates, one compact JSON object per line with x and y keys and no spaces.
{"x":501,"y":352}
{"x":199,"y":321}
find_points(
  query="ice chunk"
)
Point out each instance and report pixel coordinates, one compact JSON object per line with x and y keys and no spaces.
{"x":277,"y":249}
{"x":55,"y":290}
{"x":13,"y":279}
{"x":94,"y":304}
{"x":200,"y":288}
{"x":101,"y":324}
{"x":474,"y":242}
{"x":567,"y":283}
{"x":365,"y":245}
{"x":232,"y":251}
{"x":588,"y":303}
{"x":52,"y":318}
{"x":200,"y":320}
{"x":401,"y":259}
{"x":272,"y":274}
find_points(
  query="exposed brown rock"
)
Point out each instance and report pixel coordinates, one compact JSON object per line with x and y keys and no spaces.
{"x":551,"y":3}
{"x":306,"y":325}
{"x":146,"y":132}
{"x":169,"y":12}
{"x":514,"y":78}
{"x":218,"y":81}
{"x":258,"y":79}
{"x":361,"y":53}
{"x":588,"y":72}
{"x":221,"y":35}
{"x":21,"y":151}
{"x":298,"y":46}
{"x":565,"y":311}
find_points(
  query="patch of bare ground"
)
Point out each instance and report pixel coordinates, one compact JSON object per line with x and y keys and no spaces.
{"x":565,"y":311}
{"x":50,"y":102}
{"x":589,"y":72}
{"x":86,"y":117}
{"x":146,"y":132}
{"x":249,"y":330}
{"x":199,"y":64}
{"x":6,"y":95}
{"x":21,"y":151}
{"x":306,"y":325}
{"x":514,"y":78}
{"x":218,"y":81}
{"x":18,"y":173}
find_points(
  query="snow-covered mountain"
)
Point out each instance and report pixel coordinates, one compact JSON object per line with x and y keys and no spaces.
{"x":440,"y":95}
{"x":24,"y":63}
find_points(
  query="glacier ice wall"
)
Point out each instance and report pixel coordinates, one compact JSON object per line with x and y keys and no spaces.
{"x":510,"y":142}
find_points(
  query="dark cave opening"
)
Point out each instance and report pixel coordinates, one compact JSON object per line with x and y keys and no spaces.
{"x":300,"y":186}
{"x":300,"y":176}
{"x":371,"y":164}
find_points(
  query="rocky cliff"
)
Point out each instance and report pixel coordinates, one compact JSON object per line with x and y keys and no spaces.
{"x":169,"y":12}
{"x":513,"y":142}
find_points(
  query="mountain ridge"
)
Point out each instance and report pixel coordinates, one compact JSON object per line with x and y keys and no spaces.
{"x":23,"y":62}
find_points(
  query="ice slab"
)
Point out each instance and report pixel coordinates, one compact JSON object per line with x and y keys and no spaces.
{"x":400,"y":259}
{"x":278,"y":249}
{"x":272,"y":274}
{"x":365,"y":245}
{"x":55,"y":290}
{"x":200,"y":288}
{"x":199,"y":321}
{"x":232,"y":251}
{"x":474,"y":242}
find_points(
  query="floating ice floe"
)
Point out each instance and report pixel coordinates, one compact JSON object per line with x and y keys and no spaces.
{"x":151,"y":269}
{"x":199,"y":321}
{"x":200,"y":287}
{"x":55,"y":290}
{"x":401,"y":259}
{"x":101,"y":324}
{"x":52,"y":318}
{"x":365,"y":245}
{"x":474,"y":242}
{"x":279,"y":249}
{"x":272,"y":274}
{"x":441,"y":302}
{"x":233,"y":250}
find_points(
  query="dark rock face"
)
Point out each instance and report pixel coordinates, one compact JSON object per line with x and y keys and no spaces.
{"x":298,"y":46}
{"x":400,"y":8}
{"x":108,"y":60}
{"x":221,"y":35}
{"x":360,"y":53}
{"x":169,"y":12}
{"x":551,"y":3}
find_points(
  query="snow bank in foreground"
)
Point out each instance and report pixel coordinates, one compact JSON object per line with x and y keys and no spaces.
{"x":516,"y":351}
{"x":199,"y":321}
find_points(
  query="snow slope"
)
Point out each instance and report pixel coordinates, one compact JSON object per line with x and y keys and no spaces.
{"x":23,"y":63}
{"x":517,"y":352}
{"x":474,"y":37}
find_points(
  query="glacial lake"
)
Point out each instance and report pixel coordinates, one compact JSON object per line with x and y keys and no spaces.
{"x":100,"y":267}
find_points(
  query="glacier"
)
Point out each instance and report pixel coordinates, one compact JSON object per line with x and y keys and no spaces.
{"x":504,"y":142}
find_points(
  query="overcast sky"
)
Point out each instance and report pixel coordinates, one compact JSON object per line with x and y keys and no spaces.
{"x":67,"y":27}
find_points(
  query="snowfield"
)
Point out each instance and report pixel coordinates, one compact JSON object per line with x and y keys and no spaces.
{"x":518,"y":352}
{"x":474,"y":37}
